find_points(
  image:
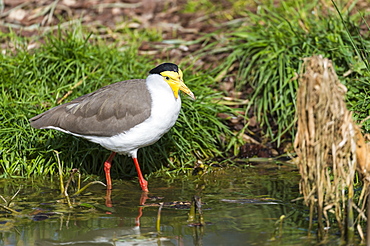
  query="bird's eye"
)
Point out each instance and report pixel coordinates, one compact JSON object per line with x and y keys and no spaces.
{"x":167,"y":78}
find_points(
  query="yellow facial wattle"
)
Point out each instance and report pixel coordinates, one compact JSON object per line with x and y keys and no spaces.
{"x":174,"y":79}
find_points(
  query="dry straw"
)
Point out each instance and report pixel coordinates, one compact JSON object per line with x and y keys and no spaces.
{"x":326,"y":146}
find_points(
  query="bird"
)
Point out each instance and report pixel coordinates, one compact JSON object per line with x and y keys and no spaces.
{"x":124,"y":116}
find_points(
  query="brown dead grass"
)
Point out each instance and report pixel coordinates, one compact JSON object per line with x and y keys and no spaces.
{"x":326,"y":145}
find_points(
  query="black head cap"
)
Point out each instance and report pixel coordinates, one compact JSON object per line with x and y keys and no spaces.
{"x":164,"y":67}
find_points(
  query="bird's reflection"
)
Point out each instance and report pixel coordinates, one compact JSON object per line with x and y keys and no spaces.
{"x":114,"y":236}
{"x":143,"y":198}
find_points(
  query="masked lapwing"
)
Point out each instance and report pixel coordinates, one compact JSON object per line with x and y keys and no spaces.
{"x":122,"y":117}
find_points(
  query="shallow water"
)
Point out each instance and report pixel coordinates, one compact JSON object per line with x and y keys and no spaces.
{"x":239,"y":207}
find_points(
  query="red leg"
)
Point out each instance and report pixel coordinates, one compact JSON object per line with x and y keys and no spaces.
{"x":142,"y":181}
{"x":107,"y":166}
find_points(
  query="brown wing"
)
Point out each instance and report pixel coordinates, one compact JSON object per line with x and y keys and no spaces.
{"x":106,"y":112}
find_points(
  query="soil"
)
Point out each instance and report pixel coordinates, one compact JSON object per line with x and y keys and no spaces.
{"x":33,"y":18}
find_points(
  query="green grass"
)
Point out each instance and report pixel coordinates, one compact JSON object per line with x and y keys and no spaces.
{"x":269,"y":45}
{"x":34,"y":80}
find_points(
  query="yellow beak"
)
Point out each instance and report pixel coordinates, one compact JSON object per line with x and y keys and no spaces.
{"x":184,"y":89}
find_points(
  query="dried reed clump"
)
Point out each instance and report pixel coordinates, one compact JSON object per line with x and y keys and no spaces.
{"x":325,"y":144}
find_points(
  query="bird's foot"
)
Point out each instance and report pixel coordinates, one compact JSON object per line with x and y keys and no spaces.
{"x":144,"y":185}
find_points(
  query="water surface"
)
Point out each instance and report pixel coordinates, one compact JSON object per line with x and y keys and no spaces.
{"x":240,"y":206}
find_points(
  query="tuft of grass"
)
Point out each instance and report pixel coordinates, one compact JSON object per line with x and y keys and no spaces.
{"x":71,"y":62}
{"x":269,"y":45}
